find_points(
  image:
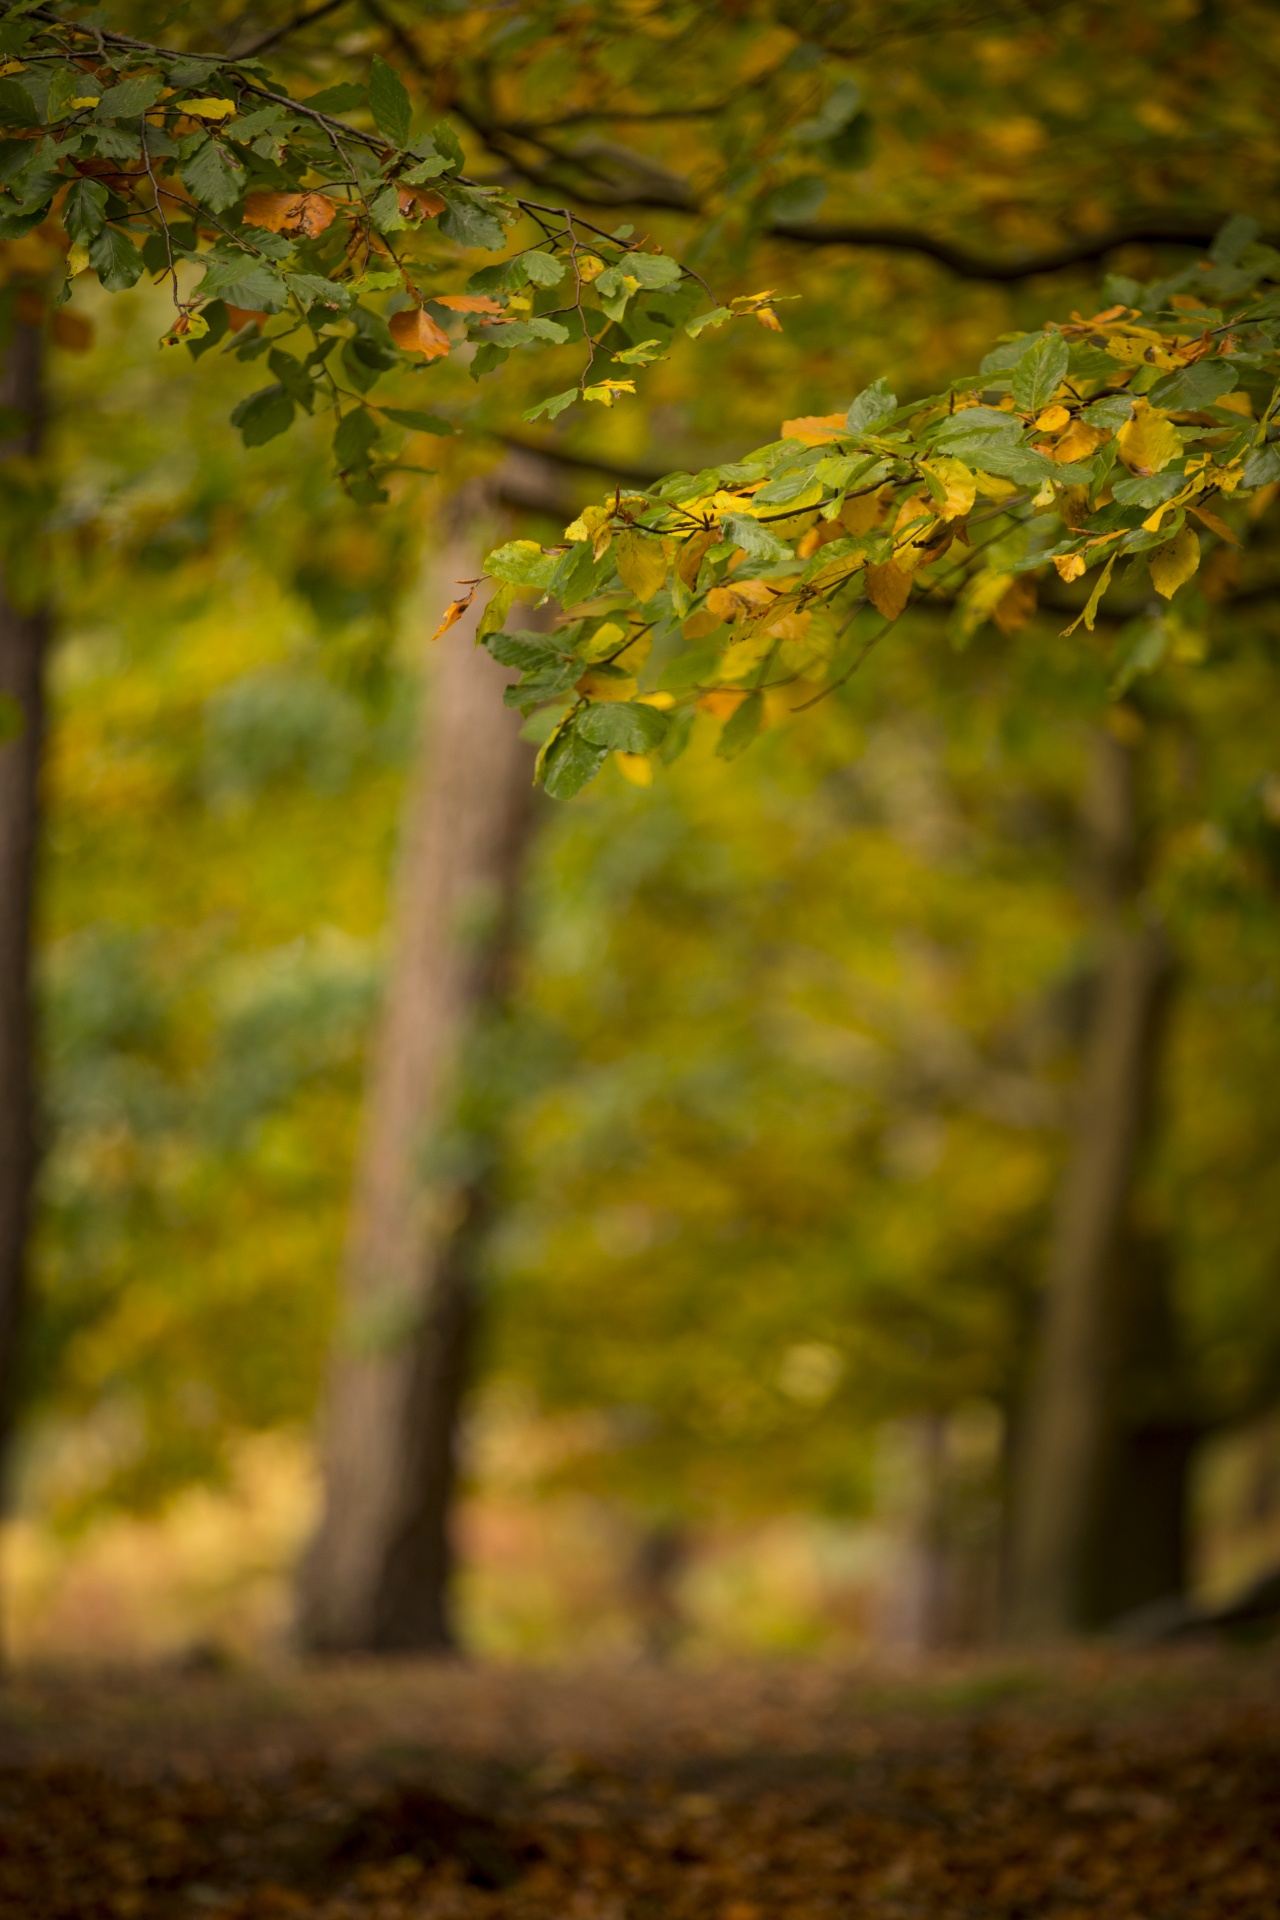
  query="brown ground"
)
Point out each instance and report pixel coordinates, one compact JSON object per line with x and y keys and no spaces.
{"x":1113,"y":1789}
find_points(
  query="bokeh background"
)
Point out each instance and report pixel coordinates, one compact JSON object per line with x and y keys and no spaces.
{"x":781,"y":1096}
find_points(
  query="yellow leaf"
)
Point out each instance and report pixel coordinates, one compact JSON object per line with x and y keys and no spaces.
{"x":1052,"y":419}
{"x":1090,"y":613}
{"x":814,"y":428}
{"x":1077,"y":443}
{"x":588,"y":523}
{"x":1149,"y":441}
{"x":791,"y":626}
{"x":888,"y":589}
{"x":635,"y":768}
{"x":700,"y":624}
{"x":745,"y":596}
{"x":605,"y":685}
{"x":641,"y":563}
{"x":589,"y":266}
{"x":1174,"y":563}
{"x":208,"y":108}
{"x":863,"y":511}
{"x":691,"y":554}
{"x":1070,"y":565}
{"x":960,"y":485}
{"x":768,"y":318}
{"x":993,"y":486}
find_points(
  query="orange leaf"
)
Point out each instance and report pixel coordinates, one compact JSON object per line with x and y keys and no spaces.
{"x":454,"y":612}
{"x":241,"y":316}
{"x":416,"y":332}
{"x":768,"y":318}
{"x":418,"y":203}
{"x":814,"y":428}
{"x":304,"y":213}
{"x":888,"y":589}
{"x":1211,"y":520}
{"x":467,"y":303}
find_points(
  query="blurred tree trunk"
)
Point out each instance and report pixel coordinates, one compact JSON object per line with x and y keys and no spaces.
{"x":23,"y":640}
{"x":377,"y":1575}
{"x":1099,"y":1476}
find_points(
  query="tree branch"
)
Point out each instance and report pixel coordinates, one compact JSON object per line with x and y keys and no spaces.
{"x":971,"y":266}
{"x":277,"y":34}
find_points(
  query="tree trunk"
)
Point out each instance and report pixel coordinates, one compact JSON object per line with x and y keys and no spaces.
{"x":23,"y":639}
{"x":377,"y":1575}
{"x":1076,"y":1431}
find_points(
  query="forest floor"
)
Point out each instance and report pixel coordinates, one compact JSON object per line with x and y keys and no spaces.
{"x":1117,"y":1788}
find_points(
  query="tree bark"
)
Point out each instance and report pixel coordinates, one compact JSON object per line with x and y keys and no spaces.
{"x":23,"y":643}
{"x":1075,"y":1432}
{"x":377,"y":1576}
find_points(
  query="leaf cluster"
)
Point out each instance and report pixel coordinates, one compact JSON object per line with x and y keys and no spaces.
{"x":1120,"y":437}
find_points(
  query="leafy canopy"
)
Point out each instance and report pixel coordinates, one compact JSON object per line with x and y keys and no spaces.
{"x":250,"y":204}
{"x":1121,"y":437}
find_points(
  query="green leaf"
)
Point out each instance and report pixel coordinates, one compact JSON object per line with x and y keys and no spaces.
{"x":1109,"y":410}
{"x":1040,"y":372}
{"x":84,"y":213}
{"x":756,"y":541}
{"x":1240,"y":231}
{"x":530,"y":652}
{"x":356,"y":435}
{"x":741,"y":728}
{"x":652,"y":270}
{"x":313,"y":290}
{"x":446,"y":141}
{"x":626,"y":726}
{"x":1008,"y":353}
{"x":544,"y":269}
{"x":389,"y":102}
{"x":339,"y":99}
{"x":384,"y":209}
{"x":467,"y":218}
{"x":14,"y":225}
{"x":872,"y":406}
{"x":500,"y":603}
{"x":131,"y":98}
{"x":68,"y":84}
{"x":569,"y":762}
{"x":263,"y":415}
{"x":116,"y":260}
{"x":522,"y":562}
{"x":259,"y":289}
{"x":527,"y":333}
{"x":418,"y":421}
{"x":17,"y":108}
{"x":213,"y":175}
{"x":553,"y":406}
{"x":1194,"y":387}
{"x":293,"y":377}
{"x":701,"y":321}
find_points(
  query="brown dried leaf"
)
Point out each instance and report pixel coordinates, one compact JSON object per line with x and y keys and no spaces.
{"x":298,"y":213}
{"x":414,"y":331}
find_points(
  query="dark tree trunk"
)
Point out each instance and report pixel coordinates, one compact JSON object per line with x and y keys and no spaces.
{"x":377,"y":1576}
{"x":23,"y":639}
{"x":1084,"y":1447}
